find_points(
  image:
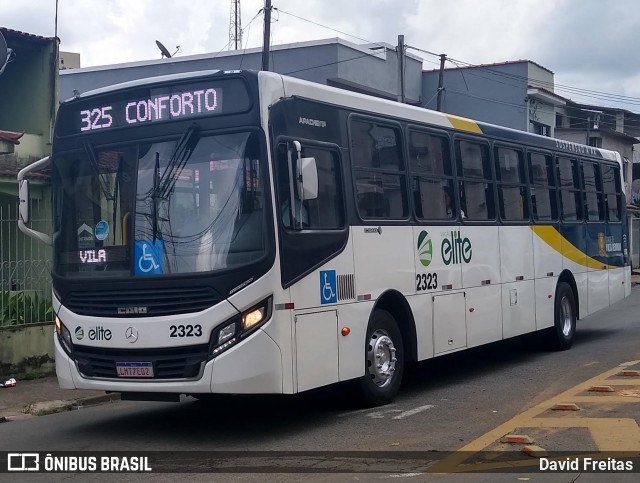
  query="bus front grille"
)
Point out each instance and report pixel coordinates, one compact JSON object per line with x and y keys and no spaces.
{"x":141,"y":303}
{"x":171,"y":363}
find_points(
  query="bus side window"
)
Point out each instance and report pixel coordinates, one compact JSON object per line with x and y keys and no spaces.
{"x":476,"y":180}
{"x":569,"y":183}
{"x":543,"y":192}
{"x":431,"y":176}
{"x":378,"y":170}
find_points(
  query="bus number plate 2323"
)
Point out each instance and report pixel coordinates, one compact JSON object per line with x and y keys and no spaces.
{"x":134,"y":369}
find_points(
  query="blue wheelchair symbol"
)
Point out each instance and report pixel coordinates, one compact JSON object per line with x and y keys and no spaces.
{"x":148,"y":257}
{"x":328,"y":290}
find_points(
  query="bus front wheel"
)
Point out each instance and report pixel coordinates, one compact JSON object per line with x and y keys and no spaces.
{"x":561,"y":335}
{"x":384,"y":360}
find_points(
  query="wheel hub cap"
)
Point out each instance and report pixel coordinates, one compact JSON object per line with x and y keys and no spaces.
{"x":567,"y":316}
{"x":381,"y":358}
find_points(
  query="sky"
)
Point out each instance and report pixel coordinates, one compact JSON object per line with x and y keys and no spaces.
{"x":588,"y":44}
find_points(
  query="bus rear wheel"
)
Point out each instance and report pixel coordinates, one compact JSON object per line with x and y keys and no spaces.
{"x":561,"y":335}
{"x":384,"y":360}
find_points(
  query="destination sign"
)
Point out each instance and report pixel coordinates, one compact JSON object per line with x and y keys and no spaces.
{"x":143,"y":106}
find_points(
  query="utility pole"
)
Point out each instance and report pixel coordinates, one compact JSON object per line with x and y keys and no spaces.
{"x":588,"y":129}
{"x":400,"y":51}
{"x":443,"y":57}
{"x":267,"y":35}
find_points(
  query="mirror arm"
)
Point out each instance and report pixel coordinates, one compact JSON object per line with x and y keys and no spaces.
{"x":38,"y":165}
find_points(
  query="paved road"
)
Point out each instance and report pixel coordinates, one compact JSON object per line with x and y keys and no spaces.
{"x":445,"y":404}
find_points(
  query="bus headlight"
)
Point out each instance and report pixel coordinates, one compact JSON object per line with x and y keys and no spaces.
{"x":64,"y":336}
{"x":236,"y":329}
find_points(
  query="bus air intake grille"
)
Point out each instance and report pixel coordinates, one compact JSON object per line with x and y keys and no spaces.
{"x":346,"y":288}
{"x":142,"y":303}
{"x":168,"y":363}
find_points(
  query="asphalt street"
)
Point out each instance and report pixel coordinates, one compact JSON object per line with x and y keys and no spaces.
{"x":444,"y":404}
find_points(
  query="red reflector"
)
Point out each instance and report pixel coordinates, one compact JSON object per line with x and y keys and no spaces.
{"x":288,"y":306}
{"x":471,"y":309}
{"x":346,"y":331}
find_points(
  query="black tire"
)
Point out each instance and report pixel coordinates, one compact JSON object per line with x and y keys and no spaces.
{"x":379,"y":386}
{"x":560,"y":336}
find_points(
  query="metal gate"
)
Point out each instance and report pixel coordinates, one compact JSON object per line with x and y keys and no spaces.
{"x":25,"y":265}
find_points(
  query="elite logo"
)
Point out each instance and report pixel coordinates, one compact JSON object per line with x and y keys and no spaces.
{"x":96,"y":333}
{"x":456,"y":249}
{"x":425,"y":248}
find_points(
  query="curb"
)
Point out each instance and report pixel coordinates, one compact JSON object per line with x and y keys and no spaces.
{"x":95,"y":400}
{"x":43,"y":408}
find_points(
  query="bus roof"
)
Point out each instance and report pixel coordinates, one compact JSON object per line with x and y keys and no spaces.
{"x":145,"y":81}
{"x":389,"y":108}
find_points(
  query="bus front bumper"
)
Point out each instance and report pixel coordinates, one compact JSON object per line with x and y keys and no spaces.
{"x":254,"y":366}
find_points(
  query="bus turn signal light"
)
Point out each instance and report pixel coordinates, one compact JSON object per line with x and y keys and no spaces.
{"x":345,"y":331}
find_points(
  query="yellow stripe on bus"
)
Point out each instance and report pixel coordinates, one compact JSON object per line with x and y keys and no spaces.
{"x":555,"y":240}
{"x":464,"y":124}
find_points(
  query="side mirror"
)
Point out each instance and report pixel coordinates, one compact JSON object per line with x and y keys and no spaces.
{"x":307,"y":179}
{"x":23,"y":194}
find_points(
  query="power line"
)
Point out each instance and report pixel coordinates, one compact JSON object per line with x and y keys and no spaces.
{"x":561,"y":87}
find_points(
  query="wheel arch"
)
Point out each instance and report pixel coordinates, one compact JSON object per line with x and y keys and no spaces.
{"x":396,"y":304}
{"x":567,"y":277}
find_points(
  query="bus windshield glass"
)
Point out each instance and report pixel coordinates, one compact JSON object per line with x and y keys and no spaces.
{"x":190,"y":205}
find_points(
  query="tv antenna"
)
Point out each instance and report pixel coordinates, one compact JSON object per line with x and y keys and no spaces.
{"x":165,"y":51}
{"x":5,"y":53}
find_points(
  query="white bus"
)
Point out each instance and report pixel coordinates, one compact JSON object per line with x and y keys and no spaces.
{"x":243,"y":232}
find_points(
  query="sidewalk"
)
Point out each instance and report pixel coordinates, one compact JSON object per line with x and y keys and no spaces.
{"x":43,"y":396}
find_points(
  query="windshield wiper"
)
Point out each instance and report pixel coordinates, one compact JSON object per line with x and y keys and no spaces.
{"x":181,"y":154}
{"x":163,"y":187}
{"x":93,"y":159}
{"x":156,"y":181}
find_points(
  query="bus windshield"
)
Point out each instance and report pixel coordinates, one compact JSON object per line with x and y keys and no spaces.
{"x":190,"y":205}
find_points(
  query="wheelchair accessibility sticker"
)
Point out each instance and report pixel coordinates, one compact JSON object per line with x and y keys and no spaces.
{"x":148,"y":257}
{"x":328,"y":292}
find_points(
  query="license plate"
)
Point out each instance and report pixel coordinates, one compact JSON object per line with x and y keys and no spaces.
{"x":134,"y":369}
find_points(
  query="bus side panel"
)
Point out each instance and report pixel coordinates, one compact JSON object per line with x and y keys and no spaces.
{"x":516,"y":253}
{"x":351,"y":352}
{"x":316,"y":349}
{"x":598,"y":275}
{"x":431,"y":278}
{"x":518,"y":308}
{"x":627,"y":281}
{"x":481,"y":279}
{"x":574,"y":248}
{"x":383,"y":260}
{"x":614,"y":247}
{"x":545,"y":289}
{"x":547,"y":252}
{"x":484,"y":319}
{"x":517,"y":266}
{"x":324,"y":286}
{"x":481,"y":262}
{"x":422,"y":308}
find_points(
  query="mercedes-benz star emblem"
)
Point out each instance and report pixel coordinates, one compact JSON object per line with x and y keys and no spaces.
{"x":131,"y":334}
